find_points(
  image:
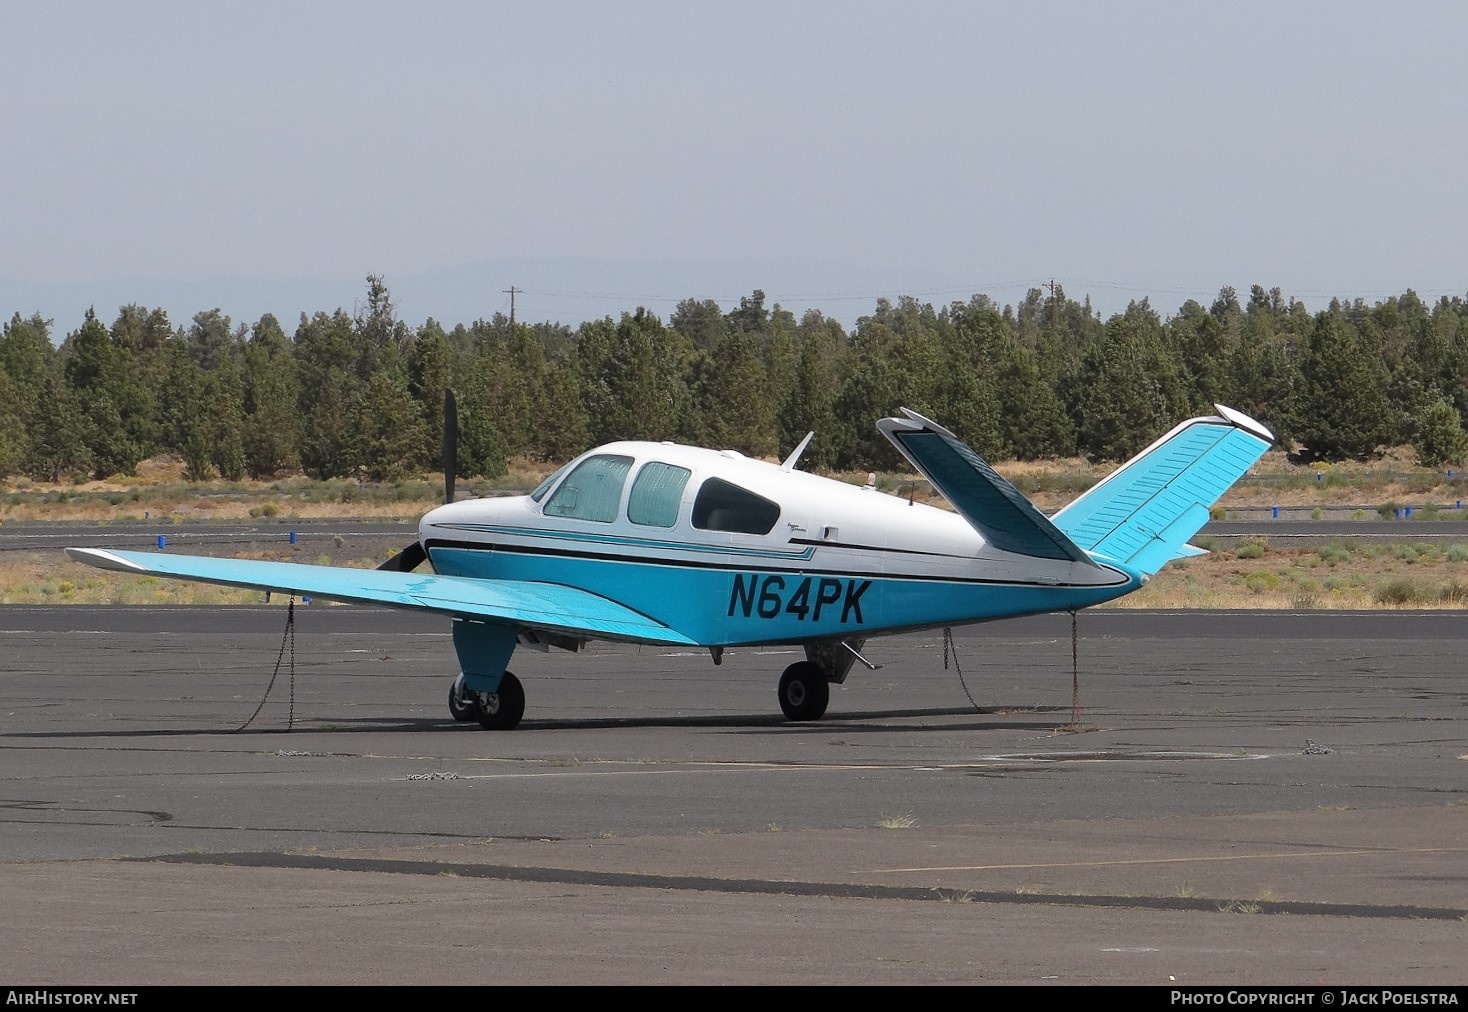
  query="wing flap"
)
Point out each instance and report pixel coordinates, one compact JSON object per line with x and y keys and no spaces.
{"x":522,"y":603}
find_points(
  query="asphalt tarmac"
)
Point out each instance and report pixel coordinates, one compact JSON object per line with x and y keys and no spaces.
{"x":1247,"y":798}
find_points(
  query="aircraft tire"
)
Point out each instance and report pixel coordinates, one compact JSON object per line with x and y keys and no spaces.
{"x":804,"y":691}
{"x":461,"y":707}
{"x":502,"y":710}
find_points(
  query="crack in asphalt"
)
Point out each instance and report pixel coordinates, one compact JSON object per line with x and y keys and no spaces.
{"x":829,"y":890}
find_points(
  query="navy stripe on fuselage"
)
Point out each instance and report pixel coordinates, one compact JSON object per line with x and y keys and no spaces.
{"x":613,"y":539}
{"x":849,"y":547}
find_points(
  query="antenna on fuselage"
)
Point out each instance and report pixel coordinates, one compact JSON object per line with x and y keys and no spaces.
{"x":789,"y":464}
{"x":911,"y":487}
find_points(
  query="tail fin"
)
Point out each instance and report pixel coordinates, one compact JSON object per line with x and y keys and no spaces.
{"x":1143,"y":513}
{"x":991,"y":505}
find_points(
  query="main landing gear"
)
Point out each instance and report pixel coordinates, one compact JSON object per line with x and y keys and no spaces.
{"x":495,"y":711}
{"x":484,"y":650}
{"x":805,"y":687}
{"x":804,"y":691}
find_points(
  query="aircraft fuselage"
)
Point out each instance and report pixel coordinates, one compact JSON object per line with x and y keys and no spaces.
{"x":837,"y":560}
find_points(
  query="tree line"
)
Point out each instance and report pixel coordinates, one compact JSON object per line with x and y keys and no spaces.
{"x":360,"y":394}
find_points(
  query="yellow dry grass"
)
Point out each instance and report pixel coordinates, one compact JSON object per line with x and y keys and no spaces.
{"x":52,"y":578}
{"x":158,"y":492}
{"x":1334,"y":577}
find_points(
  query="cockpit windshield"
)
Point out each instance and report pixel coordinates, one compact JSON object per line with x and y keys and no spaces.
{"x":592,"y":491}
{"x":545,"y":486}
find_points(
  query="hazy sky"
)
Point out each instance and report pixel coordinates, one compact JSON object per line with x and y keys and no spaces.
{"x":265,"y":157}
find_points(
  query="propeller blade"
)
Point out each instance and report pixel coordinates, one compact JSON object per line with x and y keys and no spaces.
{"x":407,"y":560}
{"x":450,"y":443}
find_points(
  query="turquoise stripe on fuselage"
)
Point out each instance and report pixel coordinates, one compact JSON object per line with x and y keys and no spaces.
{"x":724,"y":606}
{"x":623,"y":542}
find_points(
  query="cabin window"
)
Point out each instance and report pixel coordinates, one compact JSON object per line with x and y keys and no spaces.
{"x":592,"y":491}
{"x":656,"y":492}
{"x":545,"y":486}
{"x":721,"y":506}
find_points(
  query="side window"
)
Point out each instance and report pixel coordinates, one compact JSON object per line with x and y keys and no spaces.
{"x":656,"y":492}
{"x":721,"y":506}
{"x":592,"y":491}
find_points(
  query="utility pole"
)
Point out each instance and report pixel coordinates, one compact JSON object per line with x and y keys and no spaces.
{"x":1054,"y":304}
{"x":511,"y":293}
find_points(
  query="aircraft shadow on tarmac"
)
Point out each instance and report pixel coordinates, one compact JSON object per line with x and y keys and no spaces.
{"x":855,"y":723}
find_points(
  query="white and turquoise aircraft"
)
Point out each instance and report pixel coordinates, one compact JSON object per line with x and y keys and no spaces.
{"x":658,"y":543}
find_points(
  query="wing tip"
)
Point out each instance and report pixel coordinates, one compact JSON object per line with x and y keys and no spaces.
{"x":103,"y":559}
{"x":1243,"y":421}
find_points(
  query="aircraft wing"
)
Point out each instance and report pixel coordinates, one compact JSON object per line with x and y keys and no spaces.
{"x":981,"y":495}
{"x":521,"y":603}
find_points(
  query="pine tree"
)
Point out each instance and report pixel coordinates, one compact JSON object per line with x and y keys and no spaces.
{"x":1342,"y":408}
{"x":98,"y":380}
{"x":184,"y":422}
{"x":734,"y":398}
{"x":139,"y":338}
{"x":1129,"y":389}
{"x":562,"y":432}
{"x":270,"y":401}
{"x":14,"y":445}
{"x":325,"y":357}
{"x":55,"y":442}
{"x":224,"y":395}
{"x":810,"y":405}
{"x":1439,"y":438}
{"x":27,"y":358}
{"x":430,"y":374}
{"x":389,"y":427}
{"x":481,"y":443}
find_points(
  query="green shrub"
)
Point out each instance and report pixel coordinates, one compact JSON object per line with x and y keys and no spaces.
{"x":1398,"y":593}
{"x":1254,"y":548}
{"x":1261,"y":580}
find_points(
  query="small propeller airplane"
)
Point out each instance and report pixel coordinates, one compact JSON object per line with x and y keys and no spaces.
{"x":659,"y":543}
